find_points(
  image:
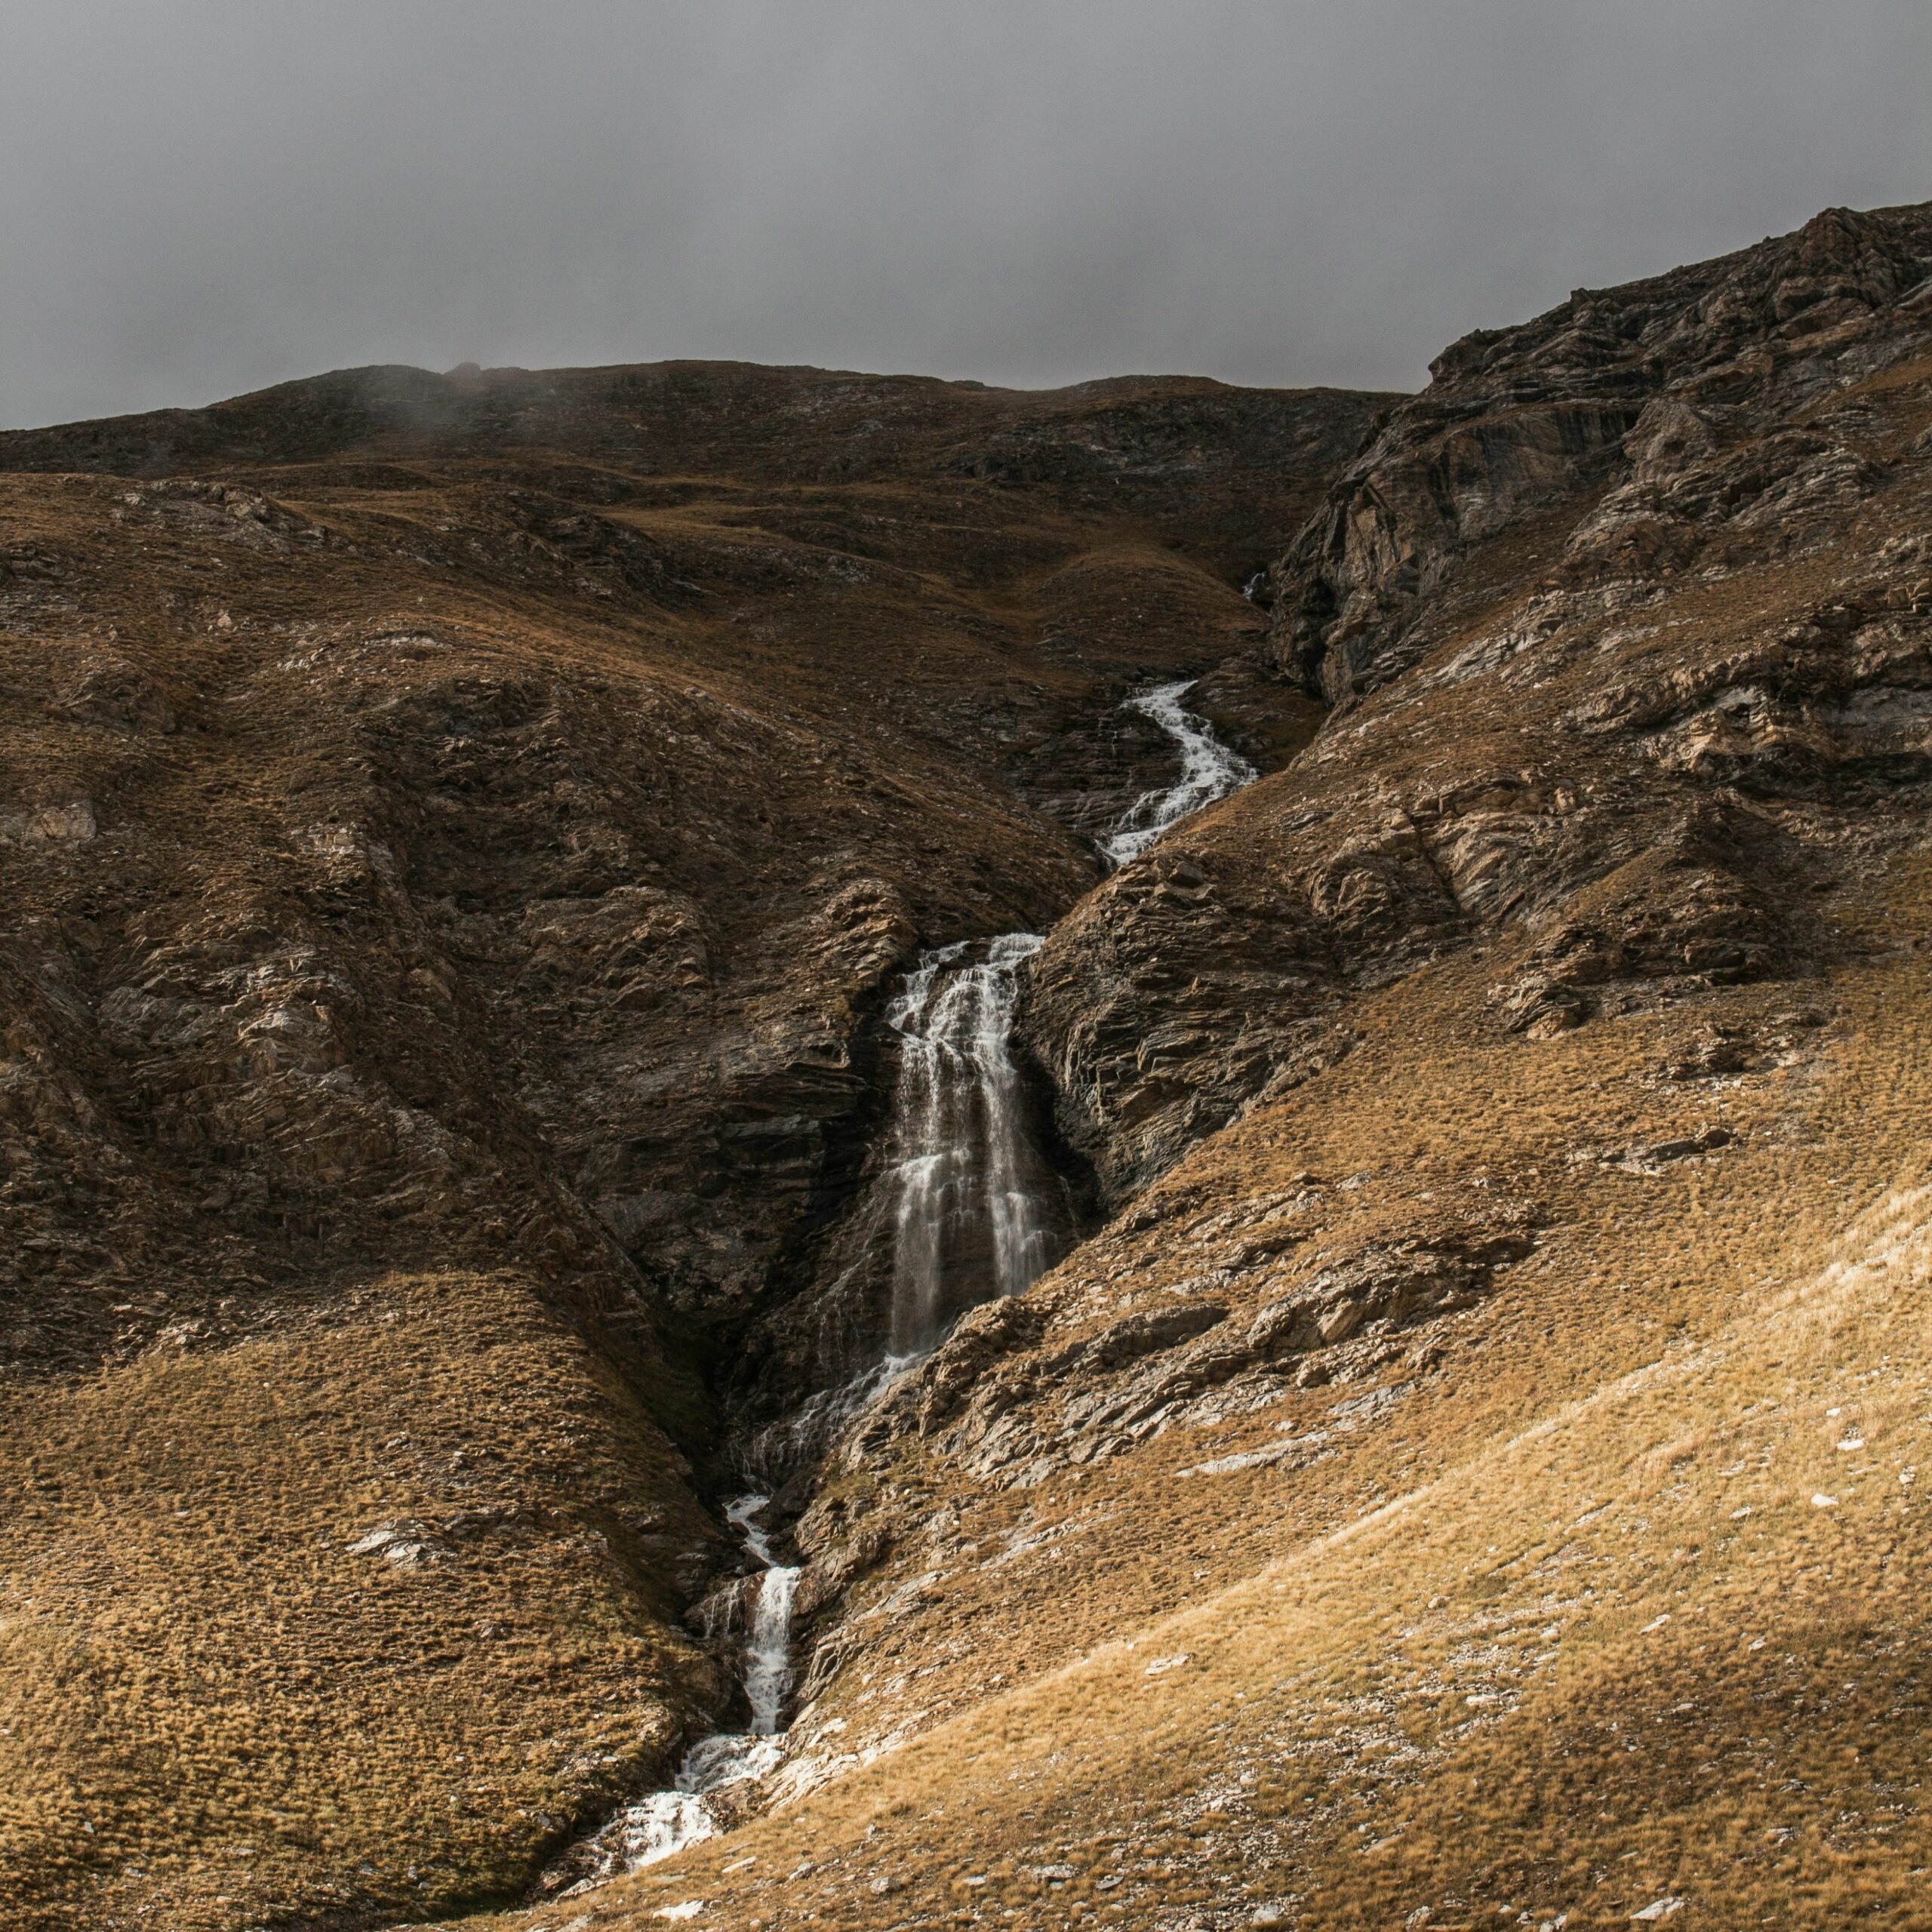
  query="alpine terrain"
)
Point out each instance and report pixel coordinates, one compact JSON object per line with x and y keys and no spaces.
{"x":788,"y":1148}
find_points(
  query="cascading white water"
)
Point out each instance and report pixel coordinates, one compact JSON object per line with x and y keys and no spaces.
{"x":963,"y":1207}
{"x":972,"y":1202}
{"x":1209,"y":770}
{"x":966,"y":1208}
{"x":972,"y":1211}
{"x":665,"y":1821}
{"x":768,"y":1650}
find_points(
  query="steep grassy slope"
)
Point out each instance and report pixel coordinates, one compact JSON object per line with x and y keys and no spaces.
{"x":1662,"y":1640}
{"x":347,"y":1609}
{"x":455,"y":842}
{"x":1492,"y":1417}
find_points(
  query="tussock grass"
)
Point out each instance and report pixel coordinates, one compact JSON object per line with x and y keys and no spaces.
{"x":214,"y":1711}
{"x":1579,"y":1641}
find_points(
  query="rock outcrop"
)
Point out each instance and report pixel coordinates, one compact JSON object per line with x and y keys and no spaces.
{"x":1684,"y":422}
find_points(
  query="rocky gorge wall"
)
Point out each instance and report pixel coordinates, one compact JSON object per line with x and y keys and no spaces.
{"x":1625,"y":655}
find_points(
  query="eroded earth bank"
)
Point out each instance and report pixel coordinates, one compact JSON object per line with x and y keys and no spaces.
{"x":473,"y":844}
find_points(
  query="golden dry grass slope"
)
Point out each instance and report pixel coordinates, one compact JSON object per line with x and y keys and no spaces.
{"x":456,"y":833}
{"x":1471,"y":1478}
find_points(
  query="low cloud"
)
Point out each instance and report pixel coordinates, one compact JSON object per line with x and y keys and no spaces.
{"x":199,"y":198}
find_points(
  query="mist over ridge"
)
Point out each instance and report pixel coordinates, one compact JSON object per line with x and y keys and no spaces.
{"x":208,"y":197}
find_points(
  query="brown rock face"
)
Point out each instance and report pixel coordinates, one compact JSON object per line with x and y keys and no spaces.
{"x":458,"y":833}
{"x":462,"y":835}
{"x":1664,"y":424}
{"x":1643,"y":584}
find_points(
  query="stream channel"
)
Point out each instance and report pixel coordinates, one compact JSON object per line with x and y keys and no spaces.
{"x":973,"y":1213}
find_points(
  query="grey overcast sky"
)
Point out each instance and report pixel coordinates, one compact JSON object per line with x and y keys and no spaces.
{"x":201,"y":197}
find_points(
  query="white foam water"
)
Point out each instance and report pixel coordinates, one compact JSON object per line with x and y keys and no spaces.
{"x":1209,"y":770}
{"x":963,"y":1208}
{"x":665,"y":1821}
{"x":972,"y":1202}
{"x":768,"y":1649}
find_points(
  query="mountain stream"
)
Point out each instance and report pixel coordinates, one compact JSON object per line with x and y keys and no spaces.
{"x":664,"y":1822}
{"x":1209,"y":770}
{"x":974,"y":1210}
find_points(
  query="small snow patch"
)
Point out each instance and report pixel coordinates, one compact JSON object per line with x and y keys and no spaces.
{"x":689,"y":1908}
{"x":1822,"y":1501}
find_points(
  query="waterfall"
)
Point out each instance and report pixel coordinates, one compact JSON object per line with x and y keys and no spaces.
{"x":973,"y":1205}
{"x":962,"y":1207}
{"x":665,"y":1821}
{"x":768,"y":1651}
{"x":965,"y":1208}
{"x":1209,"y":769}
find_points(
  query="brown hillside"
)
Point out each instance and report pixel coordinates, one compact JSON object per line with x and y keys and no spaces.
{"x":462,"y":834}
{"x":458,"y":831}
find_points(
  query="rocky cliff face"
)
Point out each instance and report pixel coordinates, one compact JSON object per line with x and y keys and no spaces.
{"x":1643,"y":582}
{"x":1684,"y":421}
{"x":462,"y":835}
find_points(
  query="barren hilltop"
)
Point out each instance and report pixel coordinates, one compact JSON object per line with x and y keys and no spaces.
{"x":791,"y":1147}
